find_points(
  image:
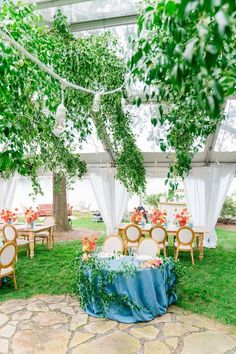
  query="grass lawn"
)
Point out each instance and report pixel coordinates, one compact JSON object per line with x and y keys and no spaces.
{"x":85,"y":221}
{"x":208,"y":288}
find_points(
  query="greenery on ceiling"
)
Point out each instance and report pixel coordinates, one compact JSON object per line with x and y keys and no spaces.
{"x":185,"y":54}
{"x":26,"y":134}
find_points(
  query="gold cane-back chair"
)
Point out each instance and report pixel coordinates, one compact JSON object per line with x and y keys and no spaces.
{"x":133,"y":235}
{"x":113,"y":244}
{"x":148,"y":247}
{"x":10,"y":234}
{"x":185,"y":237}
{"x":44,"y":235}
{"x":159,"y":234}
{"x":8,"y":254}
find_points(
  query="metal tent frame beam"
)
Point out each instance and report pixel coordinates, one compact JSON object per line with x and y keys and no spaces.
{"x":104,"y":23}
{"x":47,"y":4}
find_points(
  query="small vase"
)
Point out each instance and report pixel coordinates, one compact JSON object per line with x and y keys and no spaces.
{"x":32,"y":225}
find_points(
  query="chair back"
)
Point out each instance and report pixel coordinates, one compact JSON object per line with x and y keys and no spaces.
{"x":7,"y":255}
{"x":148,"y":247}
{"x":113,"y":244}
{"x":9,"y":233}
{"x":158,"y":233}
{"x":185,"y":235}
{"x":132,"y":233}
{"x":49,"y":220}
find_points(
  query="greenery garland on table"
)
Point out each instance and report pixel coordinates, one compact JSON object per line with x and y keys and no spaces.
{"x":185,"y":54}
{"x":27,"y":134}
{"x":92,"y":280}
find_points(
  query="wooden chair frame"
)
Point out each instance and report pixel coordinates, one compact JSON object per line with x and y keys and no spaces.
{"x":46,"y":234}
{"x":20,"y":248}
{"x":163,"y":243}
{"x":127,"y":240}
{"x":11,"y":264}
{"x":118,"y":237}
{"x":179,"y":243}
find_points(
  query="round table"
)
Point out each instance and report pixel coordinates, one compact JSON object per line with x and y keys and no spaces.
{"x":152,"y":290}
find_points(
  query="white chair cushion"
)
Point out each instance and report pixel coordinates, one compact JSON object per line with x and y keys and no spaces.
{"x":7,"y":255}
{"x":113,"y":244}
{"x":148,"y":247}
{"x":9,"y":233}
{"x":158,"y":234}
{"x":42,"y":234}
{"x":132,"y":233}
{"x":21,"y":242}
{"x":6,"y":271}
{"x":185,"y":235}
{"x":183,"y":247}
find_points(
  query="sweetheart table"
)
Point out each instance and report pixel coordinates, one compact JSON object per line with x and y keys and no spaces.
{"x":148,"y":291}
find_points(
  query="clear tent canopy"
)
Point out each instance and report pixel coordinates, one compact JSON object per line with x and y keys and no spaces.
{"x":87,"y":17}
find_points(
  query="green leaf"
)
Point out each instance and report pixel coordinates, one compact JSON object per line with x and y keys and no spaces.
{"x":170,"y":8}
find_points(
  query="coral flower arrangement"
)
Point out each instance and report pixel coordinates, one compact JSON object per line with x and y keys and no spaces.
{"x":183,"y":218}
{"x":31,"y":215}
{"x":136,"y":216}
{"x":153,"y":263}
{"x":89,"y":243}
{"x":8,"y":216}
{"x":158,"y":217}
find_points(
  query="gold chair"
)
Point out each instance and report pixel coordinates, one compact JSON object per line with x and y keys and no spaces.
{"x":49,"y":220}
{"x":184,"y":241}
{"x":148,"y":247}
{"x":159,"y":234}
{"x":10,"y":235}
{"x":8,"y":254}
{"x":133,"y":235}
{"x":113,"y":244}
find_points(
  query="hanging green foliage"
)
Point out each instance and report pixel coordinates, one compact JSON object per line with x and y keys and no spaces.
{"x":185,"y":54}
{"x":26,"y":129}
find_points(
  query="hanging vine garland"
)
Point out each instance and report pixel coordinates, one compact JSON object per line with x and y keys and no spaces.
{"x":27,"y":128}
{"x":186,"y":51}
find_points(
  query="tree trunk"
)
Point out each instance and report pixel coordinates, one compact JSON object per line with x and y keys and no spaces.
{"x":60,"y":203}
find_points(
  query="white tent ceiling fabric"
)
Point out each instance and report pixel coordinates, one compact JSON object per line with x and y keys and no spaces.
{"x":111,"y":196}
{"x":205,"y":192}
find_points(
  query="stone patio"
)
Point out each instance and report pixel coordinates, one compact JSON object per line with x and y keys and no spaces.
{"x":57,"y":325}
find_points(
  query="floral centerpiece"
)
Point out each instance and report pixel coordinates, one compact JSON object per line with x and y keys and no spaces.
{"x":31,"y":215}
{"x":89,"y":245}
{"x":158,"y":217}
{"x":153,"y":263}
{"x":136,"y":216}
{"x":8,"y":216}
{"x":183,"y":218}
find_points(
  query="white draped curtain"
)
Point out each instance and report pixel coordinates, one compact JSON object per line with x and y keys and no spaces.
{"x":111,"y":196}
{"x":205,"y":192}
{"x":7,"y":192}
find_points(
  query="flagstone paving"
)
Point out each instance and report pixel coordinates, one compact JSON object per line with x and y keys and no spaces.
{"x":57,"y":325}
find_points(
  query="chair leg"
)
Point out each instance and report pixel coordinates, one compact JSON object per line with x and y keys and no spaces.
{"x":14,"y":280}
{"x":176,"y":254}
{"x":165,"y":251}
{"x":192,"y":256}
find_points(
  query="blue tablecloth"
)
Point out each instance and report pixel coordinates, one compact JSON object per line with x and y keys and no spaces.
{"x":152,"y":289}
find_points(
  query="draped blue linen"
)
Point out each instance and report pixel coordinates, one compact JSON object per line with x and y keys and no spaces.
{"x":152,"y":289}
